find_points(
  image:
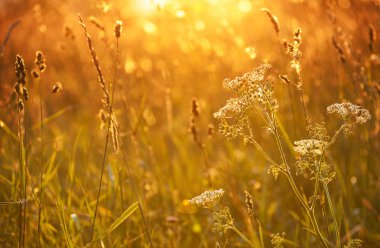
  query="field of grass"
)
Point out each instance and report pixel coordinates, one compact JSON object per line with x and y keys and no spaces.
{"x":202,"y":123}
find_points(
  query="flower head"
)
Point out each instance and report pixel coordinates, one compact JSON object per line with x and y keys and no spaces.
{"x":310,"y":146}
{"x":248,"y":79}
{"x":208,"y":198}
{"x":349,"y":112}
{"x":231,"y":109}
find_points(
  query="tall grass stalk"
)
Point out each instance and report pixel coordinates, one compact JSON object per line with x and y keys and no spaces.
{"x":21,"y":162}
{"x":133,"y":186}
{"x":42,"y":166}
{"x":109,"y":109}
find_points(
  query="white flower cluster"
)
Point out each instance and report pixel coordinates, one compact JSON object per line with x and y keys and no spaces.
{"x":310,"y":146}
{"x":208,"y":198}
{"x":231,"y":109}
{"x":348,"y":111}
{"x":250,"y":89}
{"x":249,"y":78}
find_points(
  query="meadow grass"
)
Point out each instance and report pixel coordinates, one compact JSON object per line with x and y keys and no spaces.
{"x":285,"y":154}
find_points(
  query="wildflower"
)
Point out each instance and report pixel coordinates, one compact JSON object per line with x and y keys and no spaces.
{"x":248,"y":79}
{"x":252,"y":92}
{"x":277,"y":239}
{"x":222,"y":221}
{"x":349,"y":112}
{"x":207,"y":199}
{"x":354,"y":243}
{"x":310,"y":146}
{"x":231,"y":109}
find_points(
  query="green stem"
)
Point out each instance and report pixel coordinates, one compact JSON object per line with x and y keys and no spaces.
{"x":261,"y":150}
{"x":291,"y":181}
{"x":22,"y":174}
{"x":242,"y":236}
{"x":336,"y":227}
{"x":309,"y":213}
{"x":42,"y":168}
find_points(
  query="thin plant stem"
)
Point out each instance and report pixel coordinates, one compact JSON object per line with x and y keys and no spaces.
{"x":22,"y":174}
{"x":261,"y":150}
{"x":125,"y":157}
{"x":309,"y":213}
{"x":42,"y":168}
{"x":336,"y":227}
{"x":100,"y":180}
{"x":291,"y":180}
{"x":135,"y":193}
{"x":303,"y":105}
{"x":242,"y":236}
{"x":24,"y":180}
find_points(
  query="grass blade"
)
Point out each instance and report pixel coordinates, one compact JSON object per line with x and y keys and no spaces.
{"x":125,"y":215}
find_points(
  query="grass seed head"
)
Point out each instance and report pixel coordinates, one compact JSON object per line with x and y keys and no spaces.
{"x":118,"y":28}
{"x":20,"y":70}
{"x":57,"y":87}
{"x":40,"y":61}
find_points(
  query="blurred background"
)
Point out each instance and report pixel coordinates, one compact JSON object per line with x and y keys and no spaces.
{"x":171,"y":51}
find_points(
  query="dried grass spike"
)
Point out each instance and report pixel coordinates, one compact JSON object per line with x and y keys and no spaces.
{"x":20,"y":70}
{"x":195,"y":107}
{"x":249,"y":203}
{"x":95,"y":60}
{"x":114,"y":133}
{"x":118,"y":28}
{"x":20,"y":105}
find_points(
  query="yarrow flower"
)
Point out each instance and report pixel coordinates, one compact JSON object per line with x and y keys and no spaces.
{"x":277,"y":239}
{"x":247,"y":79}
{"x":222,"y":221}
{"x":252,"y":91}
{"x":231,"y":109}
{"x":348,"y":111}
{"x":310,"y":146}
{"x":208,"y":198}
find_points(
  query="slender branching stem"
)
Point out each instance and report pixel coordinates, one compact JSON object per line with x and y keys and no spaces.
{"x":261,"y":150}
{"x":290,"y":178}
